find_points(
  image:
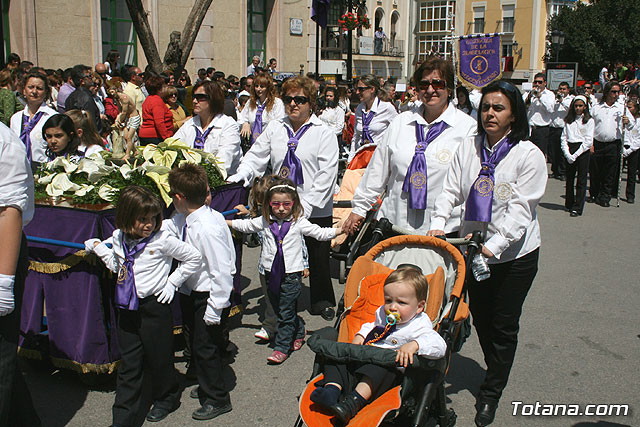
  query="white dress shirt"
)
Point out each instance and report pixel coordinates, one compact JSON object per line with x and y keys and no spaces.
{"x":418,"y":329}
{"x":251,"y":69}
{"x":38,"y":144}
{"x":223,"y":141}
{"x":207,"y":231}
{"x":16,"y":180}
{"x":391,"y":160}
{"x":385,"y":112}
{"x":608,"y":121}
{"x":540,"y":111}
{"x":92,"y":149}
{"x":560,"y":110}
{"x":318,"y":154}
{"x":291,"y":244}
{"x":474,"y":97}
{"x":152,"y":265}
{"x":248,"y":114}
{"x":575,"y":132}
{"x":520,"y":181}
{"x":632,"y":137}
{"x":334,"y":118}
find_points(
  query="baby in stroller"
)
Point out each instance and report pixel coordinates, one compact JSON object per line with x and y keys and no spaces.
{"x":400,"y":324}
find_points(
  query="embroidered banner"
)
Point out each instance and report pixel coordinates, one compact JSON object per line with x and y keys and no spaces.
{"x":480,"y":61}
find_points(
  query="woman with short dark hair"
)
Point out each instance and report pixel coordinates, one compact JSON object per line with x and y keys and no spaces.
{"x":498,"y":177}
{"x":157,"y":120}
{"x":209,"y":129}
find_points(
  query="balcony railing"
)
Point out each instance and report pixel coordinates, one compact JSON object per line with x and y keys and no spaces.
{"x":334,"y":45}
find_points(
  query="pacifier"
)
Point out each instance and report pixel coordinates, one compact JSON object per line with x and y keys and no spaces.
{"x":392,"y":318}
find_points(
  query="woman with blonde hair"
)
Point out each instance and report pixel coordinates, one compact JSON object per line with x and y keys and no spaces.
{"x":264,"y":106}
{"x":180,"y":115}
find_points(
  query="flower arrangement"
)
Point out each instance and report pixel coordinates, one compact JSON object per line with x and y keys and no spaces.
{"x":352,"y":21}
{"x":97,"y":179}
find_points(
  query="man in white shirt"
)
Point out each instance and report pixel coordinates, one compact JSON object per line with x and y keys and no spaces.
{"x":132,"y":88}
{"x":251,"y":69}
{"x":540,"y":104}
{"x":561,"y":107}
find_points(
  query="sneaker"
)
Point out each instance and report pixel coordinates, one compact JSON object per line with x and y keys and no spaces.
{"x":297,"y":344}
{"x":276,"y":358}
{"x":262,"y":334}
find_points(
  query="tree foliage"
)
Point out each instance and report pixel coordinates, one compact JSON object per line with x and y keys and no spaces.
{"x":598,"y":33}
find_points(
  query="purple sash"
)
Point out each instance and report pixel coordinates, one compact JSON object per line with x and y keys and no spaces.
{"x":415,"y":181}
{"x":126,"y":296}
{"x":277,"y":268}
{"x":379,"y":333}
{"x":27,"y":127}
{"x":198,"y":143}
{"x":478,"y":205}
{"x":366,"y":121}
{"x":256,"y":129}
{"x":291,"y":167}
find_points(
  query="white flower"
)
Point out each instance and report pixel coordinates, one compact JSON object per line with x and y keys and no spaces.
{"x":107,"y":192}
{"x":94,"y":168}
{"x":46,"y":179}
{"x":126,"y":170}
{"x":59,"y":184}
{"x":84,"y":189}
{"x":191,"y":156}
{"x":64,"y":162}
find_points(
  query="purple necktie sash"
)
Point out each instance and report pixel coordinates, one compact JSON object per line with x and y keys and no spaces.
{"x":415,"y":181}
{"x":198,"y":143}
{"x":256,"y":129}
{"x":27,"y":127}
{"x":277,"y":268}
{"x":366,"y":121}
{"x":126,"y":296}
{"x":478,"y":205}
{"x":291,"y":167}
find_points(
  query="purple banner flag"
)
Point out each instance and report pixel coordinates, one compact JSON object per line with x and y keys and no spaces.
{"x":479,"y":62}
{"x":319,"y":11}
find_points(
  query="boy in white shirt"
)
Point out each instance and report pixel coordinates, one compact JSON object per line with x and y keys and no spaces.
{"x":205,"y":296}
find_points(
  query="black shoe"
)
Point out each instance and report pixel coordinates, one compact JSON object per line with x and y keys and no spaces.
{"x":574,"y":214}
{"x":348,"y":407}
{"x":560,"y":178}
{"x":591,"y":199}
{"x":328,"y":314}
{"x":209,"y":411}
{"x":631,"y":200}
{"x":603,"y":203}
{"x":158,"y":414}
{"x":552,"y":175}
{"x":195,"y":393}
{"x":486,"y":413}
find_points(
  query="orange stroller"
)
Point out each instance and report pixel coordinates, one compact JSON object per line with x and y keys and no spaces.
{"x":420,"y":399}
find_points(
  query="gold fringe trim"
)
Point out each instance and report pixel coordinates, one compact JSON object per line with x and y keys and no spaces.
{"x":64,"y":264}
{"x":84,"y":368}
{"x":236,"y":309}
{"x":177,"y":330}
{"x":28,"y":353}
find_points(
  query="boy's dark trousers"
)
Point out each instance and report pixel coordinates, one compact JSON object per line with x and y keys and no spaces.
{"x":381,"y":378}
{"x":16,"y":407}
{"x":555,"y":152}
{"x":208,"y":347}
{"x":632,"y":171}
{"x":145,"y":337}
{"x":603,"y":170}
{"x":577,"y":170}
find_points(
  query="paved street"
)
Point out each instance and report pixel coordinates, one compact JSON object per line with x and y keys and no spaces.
{"x":579,"y":340}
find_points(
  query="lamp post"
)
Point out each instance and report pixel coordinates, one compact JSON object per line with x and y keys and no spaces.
{"x":557,"y":38}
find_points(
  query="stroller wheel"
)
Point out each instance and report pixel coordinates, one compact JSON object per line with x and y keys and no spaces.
{"x":342,"y":275}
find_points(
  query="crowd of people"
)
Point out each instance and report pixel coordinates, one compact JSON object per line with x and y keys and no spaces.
{"x":448,"y":161}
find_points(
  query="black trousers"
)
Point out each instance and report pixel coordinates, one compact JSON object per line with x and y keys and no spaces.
{"x":145,"y":337}
{"x":540,"y":137}
{"x":555,"y":152}
{"x":208,"y":345}
{"x":496,"y":305}
{"x":321,"y":292}
{"x":577,"y":171}
{"x":16,"y":406}
{"x":603,"y":170}
{"x":348,"y":376}
{"x":632,"y":172}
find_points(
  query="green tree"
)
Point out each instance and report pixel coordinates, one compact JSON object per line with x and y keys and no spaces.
{"x":597,"y":33}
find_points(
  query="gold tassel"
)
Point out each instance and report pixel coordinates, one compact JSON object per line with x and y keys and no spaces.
{"x":85,"y":368}
{"x":64,"y":264}
{"x":236,"y":309}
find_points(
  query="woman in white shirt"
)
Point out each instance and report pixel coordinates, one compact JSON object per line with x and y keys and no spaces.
{"x":498,"y":177}
{"x":333,"y":114}
{"x":412,"y":172}
{"x":302,"y":148}
{"x":209,"y":129}
{"x":27,"y":124}
{"x":576,"y":142}
{"x":373,"y":115}
{"x":263,"y":107}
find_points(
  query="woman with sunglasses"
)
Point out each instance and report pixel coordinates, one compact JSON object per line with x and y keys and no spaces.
{"x":264,"y":106}
{"x":209,"y":129}
{"x":498,"y":177}
{"x":302,"y":148}
{"x":373,"y":115}
{"x":412,"y":160}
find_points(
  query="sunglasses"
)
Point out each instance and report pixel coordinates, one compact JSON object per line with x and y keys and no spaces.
{"x":614,"y":91}
{"x":299,"y":100}
{"x":588,"y":87}
{"x":436,"y":84}
{"x":362,"y":88}
{"x":200,"y":97}
{"x":538,"y":82}
{"x":285,"y":205}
